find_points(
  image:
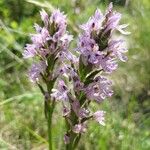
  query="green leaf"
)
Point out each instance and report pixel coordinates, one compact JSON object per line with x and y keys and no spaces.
{"x":91,"y":76}
{"x":83,"y":69}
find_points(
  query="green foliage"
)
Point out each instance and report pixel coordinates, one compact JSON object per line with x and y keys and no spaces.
{"x":22,"y":122}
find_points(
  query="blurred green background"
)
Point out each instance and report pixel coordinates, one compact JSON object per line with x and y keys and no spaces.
{"x":22,"y":122}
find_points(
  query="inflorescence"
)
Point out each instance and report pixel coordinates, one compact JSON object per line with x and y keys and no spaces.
{"x":77,"y":80}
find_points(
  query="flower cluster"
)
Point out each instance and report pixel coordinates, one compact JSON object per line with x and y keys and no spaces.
{"x":96,"y":44}
{"x":49,"y":44}
{"x":99,"y":53}
{"x":81,"y":80}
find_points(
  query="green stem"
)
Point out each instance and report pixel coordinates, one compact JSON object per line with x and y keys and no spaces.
{"x":76,"y":141}
{"x":50,"y":108}
{"x":49,"y":130}
{"x":72,"y":138}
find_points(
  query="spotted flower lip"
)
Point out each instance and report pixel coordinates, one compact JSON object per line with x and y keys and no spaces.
{"x":61,"y":93}
{"x":79,"y":128}
{"x":99,"y":90}
{"x":108,"y":64}
{"x":117,"y":48}
{"x":112,"y":22}
{"x":36,"y":70}
{"x":40,"y":39}
{"x":58,"y":17}
{"x":37,"y":28}
{"x":99,"y":117}
{"x":94,"y":23}
{"x":30,"y":51}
